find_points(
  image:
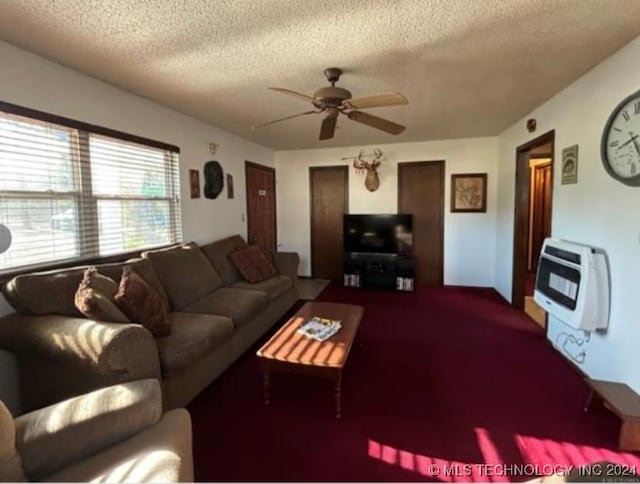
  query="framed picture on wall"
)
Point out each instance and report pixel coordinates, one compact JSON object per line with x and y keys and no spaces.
{"x":229,"y":185}
{"x":469,"y":192}
{"x":194,"y":183}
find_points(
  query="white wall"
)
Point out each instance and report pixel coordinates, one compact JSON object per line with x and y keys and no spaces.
{"x":598,"y":211}
{"x":34,"y":82}
{"x":469,"y":238}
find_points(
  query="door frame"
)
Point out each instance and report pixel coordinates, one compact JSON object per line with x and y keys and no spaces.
{"x":313,"y":169}
{"x":522,"y":195}
{"x":442,"y":202}
{"x":256,"y":166}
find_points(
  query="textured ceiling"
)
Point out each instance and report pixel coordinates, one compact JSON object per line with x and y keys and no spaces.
{"x":468,"y":67}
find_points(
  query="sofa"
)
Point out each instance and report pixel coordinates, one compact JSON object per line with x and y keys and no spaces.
{"x":115,"y":434}
{"x":215,"y":317}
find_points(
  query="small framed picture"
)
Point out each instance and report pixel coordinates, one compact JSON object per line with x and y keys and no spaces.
{"x":469,"y":192}
{"x":570,"y":165}
{"x":194,"y":183}
{"x":229,"y":185}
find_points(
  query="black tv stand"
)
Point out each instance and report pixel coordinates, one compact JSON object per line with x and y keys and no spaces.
{"x":379,"y":271}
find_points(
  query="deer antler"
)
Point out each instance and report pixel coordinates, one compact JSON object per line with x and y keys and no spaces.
{"x":377,"y":158}
{"x":359,"y":163}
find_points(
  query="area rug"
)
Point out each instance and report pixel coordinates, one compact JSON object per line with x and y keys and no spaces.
{"x":448,"y":384}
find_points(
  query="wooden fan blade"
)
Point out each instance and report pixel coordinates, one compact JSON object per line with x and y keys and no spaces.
{"x":292,"y":93}
{"x":378,"y":101}
{"x":283,"y":119}
{"x":376,"y":122}
{"x":328,"y":127}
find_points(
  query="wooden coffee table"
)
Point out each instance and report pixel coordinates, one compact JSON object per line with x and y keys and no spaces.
{"x":289,"y":351}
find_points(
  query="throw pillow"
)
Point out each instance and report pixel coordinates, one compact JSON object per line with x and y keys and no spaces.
{"x":95,"y":298}
{"x":142,"y":304}
{"x":253,"y":263}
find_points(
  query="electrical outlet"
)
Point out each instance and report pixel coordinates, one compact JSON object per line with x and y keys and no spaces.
{"x":242,"y":217}
{"x":213,"y":148}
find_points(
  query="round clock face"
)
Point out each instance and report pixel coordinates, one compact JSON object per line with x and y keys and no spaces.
{"x":621,"y":142}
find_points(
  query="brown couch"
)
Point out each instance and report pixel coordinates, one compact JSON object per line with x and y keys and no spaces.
{"x":215,"y":317}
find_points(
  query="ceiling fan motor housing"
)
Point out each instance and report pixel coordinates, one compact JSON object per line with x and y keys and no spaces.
{"x":331,"y":95}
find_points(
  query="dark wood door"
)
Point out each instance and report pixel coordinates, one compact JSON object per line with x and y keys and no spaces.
{"x":521,"y":214}
{"x":329,"y":202}
{"x":261,"y":205}
{"x":540,"y":210}
{"x":421,"y":193}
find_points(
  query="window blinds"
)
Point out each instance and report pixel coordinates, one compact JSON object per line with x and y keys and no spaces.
{"x":70,"y":193}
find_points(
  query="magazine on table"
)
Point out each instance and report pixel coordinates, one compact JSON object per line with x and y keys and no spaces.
{"x":319,"y":328}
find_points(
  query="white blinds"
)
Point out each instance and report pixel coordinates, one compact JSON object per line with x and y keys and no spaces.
{"x":68,"y":193}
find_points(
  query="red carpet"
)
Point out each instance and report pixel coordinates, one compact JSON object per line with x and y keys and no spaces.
{"x":444,"y":380}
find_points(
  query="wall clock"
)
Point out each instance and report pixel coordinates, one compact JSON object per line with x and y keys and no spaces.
{"x":620,"y":147}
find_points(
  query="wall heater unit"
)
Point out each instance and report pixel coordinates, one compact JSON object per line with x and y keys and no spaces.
{"x":572,"y":284}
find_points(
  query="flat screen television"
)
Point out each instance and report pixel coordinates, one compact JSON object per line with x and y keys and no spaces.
{"x":382,"y":234}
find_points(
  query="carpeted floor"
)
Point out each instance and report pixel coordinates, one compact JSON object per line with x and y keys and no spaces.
{"x":442,"y":379}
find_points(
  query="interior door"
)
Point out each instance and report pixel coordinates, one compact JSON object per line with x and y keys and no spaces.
{"x":541,"y":210}
{"x":261,"y":205}
{"x":329,"y":202}
{"x":421,"y":193}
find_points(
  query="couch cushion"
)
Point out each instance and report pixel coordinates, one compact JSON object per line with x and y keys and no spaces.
{"x":238,"y":304}
{"x":274,"y":287}
{"x":53,"y":292}
{"x":142,"y":304}
{"x":95,"y":298}
{"x":192,"y":336}
{"x":218,"y":253}
{"x":185,"y":272}
{"x":10,"y":463}
{"x":253,"y":263}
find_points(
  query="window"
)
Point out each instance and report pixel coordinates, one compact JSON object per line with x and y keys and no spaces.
{"x":73,"y":191}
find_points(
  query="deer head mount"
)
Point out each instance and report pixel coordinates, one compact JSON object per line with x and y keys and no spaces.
{"x":372,"y":181}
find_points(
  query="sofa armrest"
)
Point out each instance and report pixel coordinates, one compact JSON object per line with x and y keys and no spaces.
{"x":55,"y":436}
{"x":287,"y":263}
{"x":61,"y":356}
{"x":162,"y":453}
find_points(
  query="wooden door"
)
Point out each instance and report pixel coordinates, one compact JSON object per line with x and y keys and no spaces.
{"x":329,"y":198}
{"x":421,"y":193}
{"x":521,"y":215}
{"x":540,"y":225}
{"x":261,"y":205}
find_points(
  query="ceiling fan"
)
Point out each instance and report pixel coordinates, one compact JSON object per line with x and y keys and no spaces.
{"x":334,"y":100}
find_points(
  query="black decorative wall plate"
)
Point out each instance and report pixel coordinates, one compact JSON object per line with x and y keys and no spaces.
{"x":213,"y":179}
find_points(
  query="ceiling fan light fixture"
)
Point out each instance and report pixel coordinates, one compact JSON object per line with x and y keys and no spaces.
{"x":332,"y":112}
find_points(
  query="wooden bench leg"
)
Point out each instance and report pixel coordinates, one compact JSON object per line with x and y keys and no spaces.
{"x":629,"y":438}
